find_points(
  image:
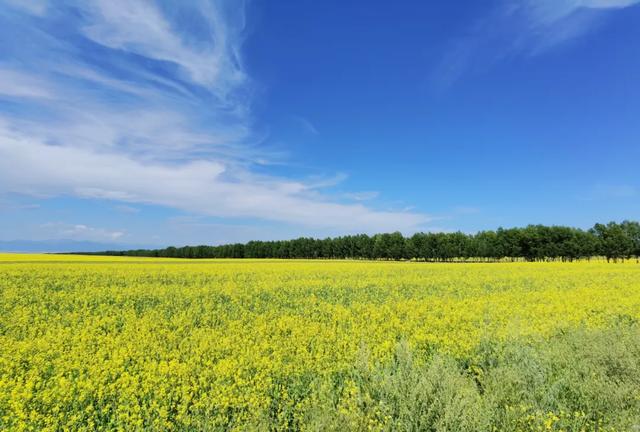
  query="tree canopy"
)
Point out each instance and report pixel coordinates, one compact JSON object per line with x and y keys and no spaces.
{"x":615,"y":241}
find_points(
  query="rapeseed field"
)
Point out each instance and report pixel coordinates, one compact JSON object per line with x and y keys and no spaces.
{"x":110,"y":343}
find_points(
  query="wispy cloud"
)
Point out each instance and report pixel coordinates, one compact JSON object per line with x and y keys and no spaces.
{"x":362,"y":196}
{"x":521,"y":27}
{"x":141,"y":27}
{"x":9,"y":205}
{"x":144,"y":102}
{"x":14,"y":83}
{"x":35,"y":7}
{"x":306,"y":125}
{"x":198,"y":186}
{"x":122,"y":208}
{"x":466,"y":210}
{"x":607,"y":191}
{"x":59,"y":230}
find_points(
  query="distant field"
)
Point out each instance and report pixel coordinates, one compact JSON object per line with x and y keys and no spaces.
{"x":107,"y":343}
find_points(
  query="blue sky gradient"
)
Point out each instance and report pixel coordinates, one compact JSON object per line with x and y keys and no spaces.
{"x":157,"y":123}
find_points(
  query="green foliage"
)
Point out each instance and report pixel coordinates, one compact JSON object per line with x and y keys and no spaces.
{"x":577,"y":381}
{"x":532,"y":243}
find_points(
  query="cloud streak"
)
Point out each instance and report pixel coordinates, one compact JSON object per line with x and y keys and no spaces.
{"x":78,"y":231}
{"x":521,"y":27}
{"x":144,"y":102}
{"x":141,"y":28}
{"x":202,"y":187}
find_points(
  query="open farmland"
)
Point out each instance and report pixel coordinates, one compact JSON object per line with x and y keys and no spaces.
{"x":106,"y":343}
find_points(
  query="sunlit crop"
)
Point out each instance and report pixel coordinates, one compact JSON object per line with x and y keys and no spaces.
{"x":89,"y":343}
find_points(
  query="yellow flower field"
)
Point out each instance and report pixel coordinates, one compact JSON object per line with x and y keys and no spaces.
{"x":91,"y":343}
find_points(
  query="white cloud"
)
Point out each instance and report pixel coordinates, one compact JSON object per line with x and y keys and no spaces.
{"x":178,"y":137}
{"x":550,"y":11}
{"x":306,"y":125}
{"x":9,"y":205}
{"x":521,"y":27}
{"x":550,"y":16}
{"x":14,"y":83}
{"x":603,"y":191}
{"x":548,"y":23}
{"x":59,"y":230}
{"x":466,"y":210}
{"x":138,"y":26}
{"x":200,"y":186}
{"x":34,"y":7}
{"x":362,"y":196}
{"x":122,"y":208}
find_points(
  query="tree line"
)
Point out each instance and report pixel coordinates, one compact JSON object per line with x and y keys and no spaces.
{"x":614,"y":241}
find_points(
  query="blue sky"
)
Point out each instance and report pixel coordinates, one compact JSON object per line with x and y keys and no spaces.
{"x":165,"y":122}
